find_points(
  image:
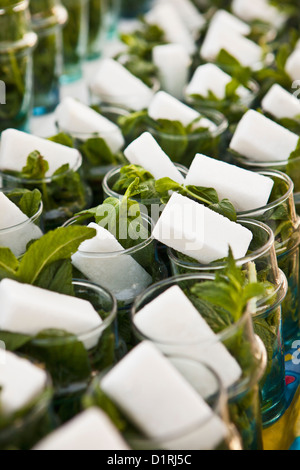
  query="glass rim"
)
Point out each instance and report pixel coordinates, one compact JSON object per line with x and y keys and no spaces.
{"x":47,"y":179}
{"x":115,"y":254}
{"x":18,"y":5}
{"x":22,"y":46}
{"x":217,"y":408}
{"x":85,"y":336}
{"x":115,"y":170}
{"x":277,"y":202}
{"x":252,"y":87}
{"x":58,"y":17}
{"x":240,"y":262}
{"x":29,"y":221}
{"x":211,"y":114}
{"x":259,"y":164}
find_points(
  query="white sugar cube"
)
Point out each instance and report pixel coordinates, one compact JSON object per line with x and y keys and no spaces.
{"x":258,"y":10}
{"x":245,"y":189}
{"x":146,"y":153}
{"x":172,"y":62}
{"x":113,"y":83}
{"x":20,"y":382}
{"x":260,"y":139}
{"x":189,"y":14}
{"x":292,"y":65}
{"x":169,"y":20}
{"x":16,"y":147}
{"x":222,"y":19}
{"x":200,"y":233}
{"x":16,"y":229}
{"x":165,"y":106}
{"x":210,"y":78}
{"x":280,"y":103}
{"x":76,"y":118}
{"x":90,"y":430}
{"x":160,"y":402}
{"x":246,"y":52}
{"x":116,"y":271}
{"x":177,"y":328}
{"x":28,"y":310}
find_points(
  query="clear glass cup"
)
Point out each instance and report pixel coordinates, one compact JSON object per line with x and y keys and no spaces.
{"x":151,"y":207}
{"x":18,"y":236}
{"x":63,"y":195}
{"x":17,"y":43}
{"x":73,"y":360}
{"x":182,"y":149}
{"x":280,"y":216}
{"x":193,"y":438}
{"x":290,"y":168}
{"x":268,"y":316}
{"x":48,"y":18}
{"x":94,"y":165}
{"x":75,"y":39}
{"x":28,"y":426}
{"x":240,"y":341}
{"x":98,"y":9}
{"x":123,"y":280}
{"x":112,"y":18}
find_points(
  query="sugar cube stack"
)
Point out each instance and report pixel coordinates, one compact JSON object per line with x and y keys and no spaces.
{"x":200,"y":233}
{"x":118,"y":272}
{"x":28,"y":310}
{"x":165,"y":106}
{"x":16,"y":147}
{"x":189,"y":14}
{"x":245,"y":189}
{"x":16,"y":229}
{"x":218,"y":37}
{"x":113,"y":83}
{"x":21,"y":383}
{"x":258,"y":10}
{"x":76,"y":118}
{"x":160,"y":402}
{"x":261,"y":139}
{"x":145,"y":152}
{"x":172,"y":62}
{"x":169,"y":20}
{"x":292,"y":66}
{"x":172,"y":322}
{"x":280,"y":103}
{"x":210,"y":78}
{"x":90,"y":430}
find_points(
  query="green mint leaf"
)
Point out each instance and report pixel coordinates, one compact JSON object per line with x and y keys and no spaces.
{"x":14,"y":341}
{"x":97,"y":152}
{"x":102,"y":401}
{"x":57,"y":277}
{"x":9,"y":264}
{"x":64,"y":356}
{"x":36,"y":166}
{"x":59,"y":244}
{"x":62,"y":139}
